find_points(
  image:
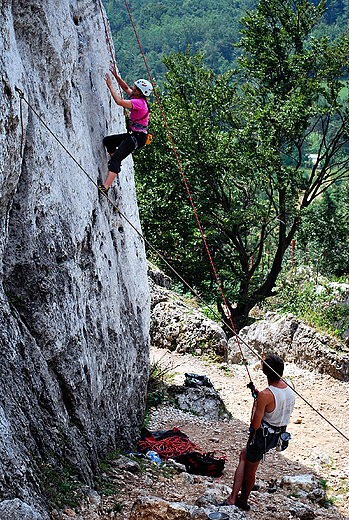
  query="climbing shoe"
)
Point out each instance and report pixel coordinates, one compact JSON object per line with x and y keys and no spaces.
{"x":103,"y":189}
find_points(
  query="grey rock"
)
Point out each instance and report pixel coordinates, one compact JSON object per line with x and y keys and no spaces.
{"x":204,"y":401}
{"x":176,"y":465}
{"x":296,"y":483}
{"x":147,"y":481}
{"x":177,"y":325}
{"x":206,"y":500}
{"x":294,"y":342}
{"x":124,"y":463}
{"x":302,"y":511}
{"x":17,"y":510}
{"x":94,"y":500}
{"x":160,"y":278}
{"x":317,"y":495}
{"x":187,"y":478}
{"x":74,"y":296}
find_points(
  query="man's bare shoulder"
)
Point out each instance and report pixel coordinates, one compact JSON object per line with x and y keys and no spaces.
{"x":266,"y":396}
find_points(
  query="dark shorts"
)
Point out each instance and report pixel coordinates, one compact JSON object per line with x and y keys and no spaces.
{"x":122,"y":145}
{"x":258,"y":445}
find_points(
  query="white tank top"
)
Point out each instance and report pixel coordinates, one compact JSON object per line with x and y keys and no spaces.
{"x":284,"y":402}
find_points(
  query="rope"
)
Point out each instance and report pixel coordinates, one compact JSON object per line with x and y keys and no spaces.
{"x":22,"y":127}
{"x":189,"y":194}
{"x":22,"y":97}
{"x":169,"y":447}
{"x":108,"y":39}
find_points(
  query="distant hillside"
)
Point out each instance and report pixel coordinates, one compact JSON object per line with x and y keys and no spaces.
{"x":171,"y":25}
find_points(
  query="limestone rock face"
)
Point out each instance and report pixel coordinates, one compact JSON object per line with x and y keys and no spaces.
{"x":74,"y":297}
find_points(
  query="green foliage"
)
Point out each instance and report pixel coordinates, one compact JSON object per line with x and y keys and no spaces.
{"x":104,"y":485}
{"x":117,"y":508}
{"x":243,"y":140}
{"x":210,"y":26}
{"x":105,"y":463}
{"x":323,"y":483}
{"x":159,"y":377}
{"x":323,"y":236}
{"x":163,"y":27}
{"x":311,"y":300}
{"x":60,"y":485}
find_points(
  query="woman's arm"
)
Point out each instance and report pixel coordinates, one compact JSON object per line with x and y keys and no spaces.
{"x":118,"y":99}
{"x":121,"y":82}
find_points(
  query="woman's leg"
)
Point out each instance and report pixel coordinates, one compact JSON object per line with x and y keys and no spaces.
{"x":126,"y":146}
{"x":112,"y":142}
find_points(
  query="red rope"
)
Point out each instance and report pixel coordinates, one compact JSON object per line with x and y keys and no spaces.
{"x":107,"y":34}
{"x":169,"y":447}
{"x":188,"y":191}
{"x":108,"y":39}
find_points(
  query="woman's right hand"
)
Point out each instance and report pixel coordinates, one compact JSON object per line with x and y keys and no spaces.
{"x":112,"y":69}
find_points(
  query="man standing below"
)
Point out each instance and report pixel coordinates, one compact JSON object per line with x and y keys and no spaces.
{"x":271,"y":414}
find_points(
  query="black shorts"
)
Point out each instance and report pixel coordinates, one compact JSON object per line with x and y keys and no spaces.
{"x":257,"y":444}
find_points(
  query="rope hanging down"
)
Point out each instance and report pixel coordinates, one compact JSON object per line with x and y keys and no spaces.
{"x":189,"y":195}
{"x":21,"y":95}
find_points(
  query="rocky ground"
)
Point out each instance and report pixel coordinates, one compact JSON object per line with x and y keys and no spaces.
{"x":316,"y":448}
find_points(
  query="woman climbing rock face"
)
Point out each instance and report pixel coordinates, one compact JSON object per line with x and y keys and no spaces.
{"x":119,"y":146}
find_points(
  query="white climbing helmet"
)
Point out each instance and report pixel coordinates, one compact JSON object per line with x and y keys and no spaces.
{"x":144,"y":86}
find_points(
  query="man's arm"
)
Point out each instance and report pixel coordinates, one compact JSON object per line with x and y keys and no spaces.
{"x":264,"y":398}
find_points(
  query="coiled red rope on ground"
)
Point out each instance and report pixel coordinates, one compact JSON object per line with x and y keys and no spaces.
{"x":169,"y":447}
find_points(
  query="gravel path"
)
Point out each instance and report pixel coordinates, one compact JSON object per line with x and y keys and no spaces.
{"x":315,"y":446}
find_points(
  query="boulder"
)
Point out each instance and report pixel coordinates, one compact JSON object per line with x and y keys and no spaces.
{"x":153,"y":508}
{"x":17,"y":510}
{"x":296,"y":483}
{"x":302,"y":511}
{"x":206,"y":500}
{"x":202,"y":400}
{"x":295,"y":342}
{"x":126,"y":464}
{"x":176,"y":324}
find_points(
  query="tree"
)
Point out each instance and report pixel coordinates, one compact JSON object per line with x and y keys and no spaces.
{"x":244,"y":147}
{"x":323,"y":235}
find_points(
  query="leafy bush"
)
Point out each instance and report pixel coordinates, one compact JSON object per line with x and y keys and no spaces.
{"x":317,"y":302}
{"x":159,"y":377}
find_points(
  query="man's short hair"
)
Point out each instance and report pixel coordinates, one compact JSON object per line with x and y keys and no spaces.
{"x":276,"y":363}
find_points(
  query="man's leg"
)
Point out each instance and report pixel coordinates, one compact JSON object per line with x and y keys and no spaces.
{"x":249,"y":480}
{"x":238,"y":478}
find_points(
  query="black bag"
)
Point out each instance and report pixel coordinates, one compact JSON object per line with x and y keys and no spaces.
{"x":202,"y":464}
{"x":194,"y":381}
